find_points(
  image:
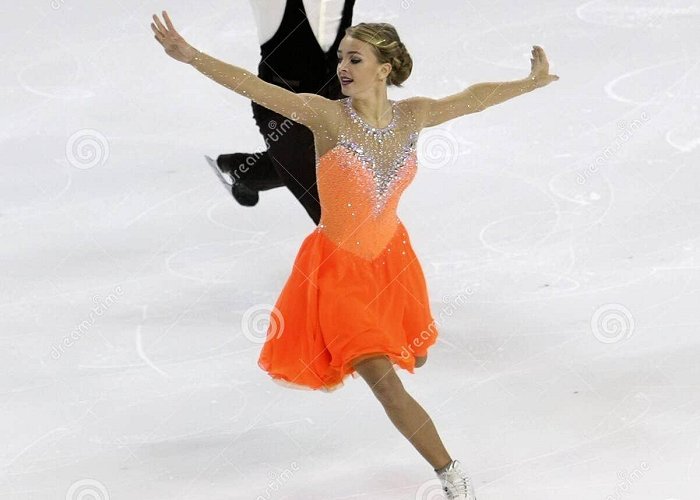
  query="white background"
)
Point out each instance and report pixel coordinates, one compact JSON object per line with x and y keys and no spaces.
{"x":558,"y":233}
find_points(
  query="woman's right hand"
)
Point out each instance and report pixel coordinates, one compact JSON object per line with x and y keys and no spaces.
{"x":175,"y":46}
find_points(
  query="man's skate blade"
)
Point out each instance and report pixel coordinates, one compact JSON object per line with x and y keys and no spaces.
{"x":227,"y":182}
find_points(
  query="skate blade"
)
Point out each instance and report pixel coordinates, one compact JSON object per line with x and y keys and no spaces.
{"x":223,"y":177}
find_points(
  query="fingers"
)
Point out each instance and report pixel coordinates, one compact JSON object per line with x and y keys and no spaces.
{"x":158,"y":35}
{"x":156,"y":31}
{"x":168,"y":22}
{"x":538,"y":52}
{"x":162,"y":29}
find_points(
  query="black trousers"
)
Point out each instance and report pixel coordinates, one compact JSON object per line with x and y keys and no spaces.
{"x":290,"y":160}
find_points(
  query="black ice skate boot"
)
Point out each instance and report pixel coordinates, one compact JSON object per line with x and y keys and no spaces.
{"x":243,"y":194}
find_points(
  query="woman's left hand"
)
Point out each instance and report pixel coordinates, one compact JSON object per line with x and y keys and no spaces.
{"x":175,"y":46}
{"x":540,"y":68}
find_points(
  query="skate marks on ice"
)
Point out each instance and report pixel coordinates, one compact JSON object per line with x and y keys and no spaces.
{"x":637,"y":13}
{"x":685,"y":137}
{"x":37,"y":181}
{"x":139,"y":345}
{"x":62,"y":66}
{"x":175,"y":370}
{"x":218,"y":262}
{"x":642,"y":86}
{"x":506,"y":45}
{"x":645,"y":85}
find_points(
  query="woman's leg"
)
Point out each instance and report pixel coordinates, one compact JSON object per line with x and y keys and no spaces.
{"x":406,"y":414}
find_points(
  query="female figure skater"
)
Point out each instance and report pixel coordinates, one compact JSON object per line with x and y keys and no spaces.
{"x":356,"y":300}
{"x":298,"y":44}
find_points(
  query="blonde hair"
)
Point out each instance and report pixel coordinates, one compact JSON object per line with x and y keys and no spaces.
{"x":387,"y":47}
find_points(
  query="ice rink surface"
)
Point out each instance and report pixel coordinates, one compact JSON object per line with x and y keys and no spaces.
{"x":558,"y":232}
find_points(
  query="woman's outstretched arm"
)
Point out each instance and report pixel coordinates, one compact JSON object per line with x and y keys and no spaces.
{"x":307,"y":109}
{"x":480,"y":96}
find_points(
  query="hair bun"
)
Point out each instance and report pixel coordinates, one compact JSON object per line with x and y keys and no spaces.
{"x":388,"y":48}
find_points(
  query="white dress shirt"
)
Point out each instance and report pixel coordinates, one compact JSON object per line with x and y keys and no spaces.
{"x":324,"y":17}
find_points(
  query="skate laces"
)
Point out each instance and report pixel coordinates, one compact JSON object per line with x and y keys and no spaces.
{"x":456,"y":483}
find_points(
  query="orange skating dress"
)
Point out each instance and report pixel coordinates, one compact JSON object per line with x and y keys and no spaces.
{"x":356,"y":288}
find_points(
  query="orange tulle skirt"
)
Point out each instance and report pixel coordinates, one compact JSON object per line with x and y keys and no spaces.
{"x":337,"y":307}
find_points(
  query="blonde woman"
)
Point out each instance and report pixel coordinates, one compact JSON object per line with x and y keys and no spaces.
{"x":356,"y":301}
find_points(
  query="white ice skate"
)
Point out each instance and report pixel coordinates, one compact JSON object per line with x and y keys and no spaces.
{"x":224,"y":177}
{"x":456,"y":483}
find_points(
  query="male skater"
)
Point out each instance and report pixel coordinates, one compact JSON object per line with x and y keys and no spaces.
{"x":298,"y":45}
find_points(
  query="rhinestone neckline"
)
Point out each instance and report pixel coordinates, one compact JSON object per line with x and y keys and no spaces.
{"x":377,"y":132}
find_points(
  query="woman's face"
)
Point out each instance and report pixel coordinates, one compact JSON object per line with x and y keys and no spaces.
{"x":358,"y":63}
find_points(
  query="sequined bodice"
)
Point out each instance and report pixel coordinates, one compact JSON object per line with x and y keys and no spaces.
{"x":361,"y":179}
